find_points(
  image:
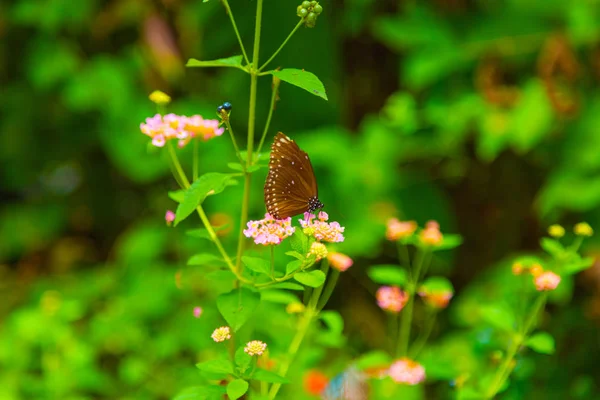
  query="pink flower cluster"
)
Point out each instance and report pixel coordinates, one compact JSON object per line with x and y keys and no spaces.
{"x":269,"y":230}
{"x":339,"y":261}
{"x":397,"y":230}
{"x":545,"y":281}
{"x":431,"y":235}
{"x":391,"y":298}
{"x":320,"y":229}
{"x":179,"y":127}
{"x":407,"y":372}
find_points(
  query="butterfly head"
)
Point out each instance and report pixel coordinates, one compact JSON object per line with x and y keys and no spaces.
{"x":314,"y":204}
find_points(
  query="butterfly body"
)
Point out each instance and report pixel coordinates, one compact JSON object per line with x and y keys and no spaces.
{"x":291,"y":186}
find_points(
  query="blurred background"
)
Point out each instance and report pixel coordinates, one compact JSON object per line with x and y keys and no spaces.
{"x":482,"y":115}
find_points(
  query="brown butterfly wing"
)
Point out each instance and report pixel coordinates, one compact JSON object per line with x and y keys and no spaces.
{"x":291,"y":182}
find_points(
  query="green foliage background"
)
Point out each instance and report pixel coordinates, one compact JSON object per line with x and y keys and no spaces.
{"x":482,"y":115}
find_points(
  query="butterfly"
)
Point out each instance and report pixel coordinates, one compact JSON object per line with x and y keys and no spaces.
{"x":348,"y":385}
{"x":291,"y":186}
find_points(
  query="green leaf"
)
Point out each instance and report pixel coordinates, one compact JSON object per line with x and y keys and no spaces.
{"x":236,"y":389}
{"x":278,"y":296}
{"x":235,"y":166}
{"x":233,"y":61}
{"x":216,"y":366}
{"x":333,"y":320}
{"x":373,"y":359}
{"x":212,"y":183}
{"x":286,"y":285}
{"x":577,"y":266}
{"x":295,"y":254}
{"x":450,"y":241}
{"x":303,"y":79}
{"x":268,"y":376}
{"x":293,"y":266}
{"x":256,"y":264}
{"x":177,"y":195}
{"x":242,"y":359}
{"x":388,"y":274}
{"x":238,"y":306}
{"x":541,"y":342}
{"x":203,"y":259}
{"x":552,"y":247}
{"x":312,"y":278}
{"x":221,"y":275}
{"x":299,"y":242}
{"x":201,"y":393}
{"x":437,"y":284}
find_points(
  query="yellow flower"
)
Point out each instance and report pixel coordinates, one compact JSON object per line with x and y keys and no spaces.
{"x":159,"y":98}
{"x":556,"y":231}
{"x":294,"y":308}
{"x":583,"y":229}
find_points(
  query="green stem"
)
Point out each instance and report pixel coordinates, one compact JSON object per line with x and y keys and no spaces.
{"x":406,"y":317}
{"x":182,"y":178}
{"x":298,"y":25}
{"x":518,"y":340}
{"x":303,"y":326}
{"x":251,"y":123}
{"x":422,"y":340}
{"x":274,"y":91}
{"x":235,"y":145}
{"x":329,"y":287}
{"x":195,"y":161}
{"x":316,"y":295}
{"x":237,"y":33}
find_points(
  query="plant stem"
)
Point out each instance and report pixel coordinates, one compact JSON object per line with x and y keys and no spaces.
{"x":235,"y":146}
{"x":298,"y":25}
{"x":406,"y":317}
{"x":316,"y":295}
{"x":422,"y":340}
{"x":251,"y":123}
{"x":181,"y":178}
{"x":195,"y":161}
{"x":303,"y":326}
{"x":237,"y":33}
{"x":329,"y":286}
{"x":518,"y":340}
{"x":274,"y":91}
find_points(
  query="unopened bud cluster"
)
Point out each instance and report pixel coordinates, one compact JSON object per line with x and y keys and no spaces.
{"x":309,"y":11}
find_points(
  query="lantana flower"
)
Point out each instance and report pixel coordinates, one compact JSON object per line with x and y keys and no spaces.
{"x":436,"y":299}
{"x":546,"y":281}
{"x":255,"y":348}
{"x":197,"y":312}
{"x":269,"y":230}
{"x":221,"y":334}
{"x":320,"y":229}
{"x":391,"y":298}
{"x":583,"y":229}
{"x":556,"y":231}
{"x":339,"y":261}
{"x":318,"y":250}
{"x":315,"y":382}
{"x":169,"y":217}
{"x":407,"y":371}
{"x":179,"y":127}
{"x":397,"y":230}
{"x":431,"y":235}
